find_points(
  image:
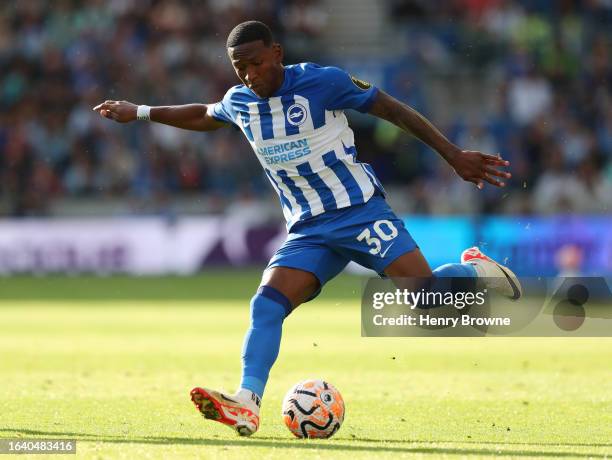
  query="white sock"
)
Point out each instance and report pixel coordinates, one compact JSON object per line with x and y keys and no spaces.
{"x":479,"y":269}
{"x":249,"y":398}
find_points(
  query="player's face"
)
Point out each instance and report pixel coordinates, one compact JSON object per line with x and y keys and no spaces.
{"x":258,"y":66}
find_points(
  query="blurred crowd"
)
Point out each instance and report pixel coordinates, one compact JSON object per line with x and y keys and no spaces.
{"x":549,"y":64}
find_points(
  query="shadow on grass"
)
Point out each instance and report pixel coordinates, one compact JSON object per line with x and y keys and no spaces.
{"x":299,"y":444}
{"x":469,"y":441}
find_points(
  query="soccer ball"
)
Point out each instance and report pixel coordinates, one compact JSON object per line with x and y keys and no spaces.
{"x":313,"y":409}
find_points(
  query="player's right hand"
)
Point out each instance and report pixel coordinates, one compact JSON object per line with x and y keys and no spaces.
{"x":120,"y":111}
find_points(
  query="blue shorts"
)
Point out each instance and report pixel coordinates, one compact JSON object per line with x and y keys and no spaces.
{"x":369,"y":234}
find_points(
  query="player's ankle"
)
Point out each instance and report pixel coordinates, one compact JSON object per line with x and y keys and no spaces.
{"x":477,"y":268}
{"x":250,"y":398}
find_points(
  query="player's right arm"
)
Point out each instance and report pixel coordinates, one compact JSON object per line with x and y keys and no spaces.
{"x":195,"y":117}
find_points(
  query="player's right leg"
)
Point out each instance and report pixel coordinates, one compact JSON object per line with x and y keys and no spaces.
{"x":281,"y":290}
{"x":295,"y":275}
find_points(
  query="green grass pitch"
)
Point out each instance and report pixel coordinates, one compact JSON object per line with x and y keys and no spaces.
{"x":114,"y":372}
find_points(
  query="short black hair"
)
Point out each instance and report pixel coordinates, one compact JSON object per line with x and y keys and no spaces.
{"x":249,"y":31}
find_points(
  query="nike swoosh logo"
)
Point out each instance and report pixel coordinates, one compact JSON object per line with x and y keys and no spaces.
{"x":228,"y":399}
{"x":516,"y":293}
{"x":384,"y":253}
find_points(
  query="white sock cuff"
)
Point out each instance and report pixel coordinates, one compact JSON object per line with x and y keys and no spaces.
{"x":479,"y":270}
{"x":249,"y":397}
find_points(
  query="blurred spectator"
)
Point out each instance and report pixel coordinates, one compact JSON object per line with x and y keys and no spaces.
{"x":529,"y":96}
{"x":568,"y":260}
{"x":560,"y":192}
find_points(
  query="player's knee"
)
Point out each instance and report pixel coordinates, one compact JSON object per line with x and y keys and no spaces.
{"x":269,"y":306}
{"x":409,"y":265}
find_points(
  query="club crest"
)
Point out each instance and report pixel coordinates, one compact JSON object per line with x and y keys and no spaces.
{"x":296,"y":114}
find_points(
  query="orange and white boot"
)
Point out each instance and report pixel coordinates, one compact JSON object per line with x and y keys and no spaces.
{"x":237,"y":411}
{"x":496,"y":276}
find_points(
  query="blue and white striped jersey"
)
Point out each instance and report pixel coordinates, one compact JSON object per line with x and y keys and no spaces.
{"x":302,"y":138}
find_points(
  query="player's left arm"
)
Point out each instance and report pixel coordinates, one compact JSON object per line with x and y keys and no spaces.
{"x":472,"y":166}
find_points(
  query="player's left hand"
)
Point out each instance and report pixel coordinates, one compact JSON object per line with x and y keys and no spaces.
{"x":478,"y":167}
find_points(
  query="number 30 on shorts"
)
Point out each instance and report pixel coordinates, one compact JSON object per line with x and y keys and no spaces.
{"x":384,"y":229}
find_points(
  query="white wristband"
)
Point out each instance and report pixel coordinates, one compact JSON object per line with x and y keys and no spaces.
{"x":143,"y":112}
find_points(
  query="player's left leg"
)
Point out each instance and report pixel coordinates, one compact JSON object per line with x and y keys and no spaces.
{"x":474,"y":264}
{"x":375,"y":237}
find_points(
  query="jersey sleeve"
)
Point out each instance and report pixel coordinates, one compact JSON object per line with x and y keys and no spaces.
{"x":346,"y":91}
{"x":223,"y":110}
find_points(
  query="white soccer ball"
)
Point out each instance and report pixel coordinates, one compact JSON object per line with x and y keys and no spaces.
{"x":313,"y":409}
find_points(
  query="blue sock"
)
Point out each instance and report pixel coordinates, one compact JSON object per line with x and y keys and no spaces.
{"x":455,"y":270}
{"x":451,"y":278}
{"x":269,"y":308}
